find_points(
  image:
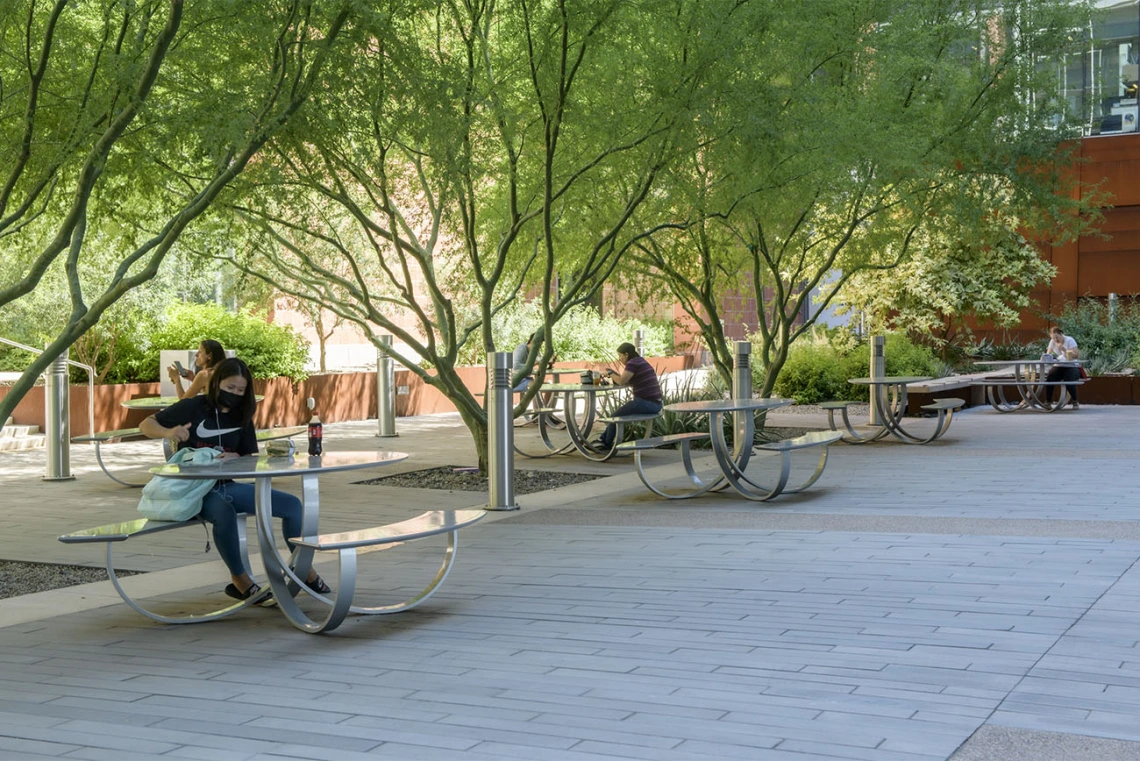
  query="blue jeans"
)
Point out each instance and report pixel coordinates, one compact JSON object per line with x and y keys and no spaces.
{"x":634,"y":406}
{"x":220,"y":507}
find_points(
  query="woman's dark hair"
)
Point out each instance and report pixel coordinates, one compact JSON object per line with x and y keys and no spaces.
{"x":228,"y":368}
{"x":214,"y":352}
{"x":628,"y":350}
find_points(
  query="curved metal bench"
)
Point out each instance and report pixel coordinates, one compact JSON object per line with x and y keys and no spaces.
{"x":346,"y":544}
{"x":620,"y":421}
{"x":945,"y":409}
{"x":786,"y":446}
{"x":638,"y":446}
{"x":115,"y":533}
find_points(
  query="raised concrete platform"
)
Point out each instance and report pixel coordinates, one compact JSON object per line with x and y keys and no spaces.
{"x":974,"y":598}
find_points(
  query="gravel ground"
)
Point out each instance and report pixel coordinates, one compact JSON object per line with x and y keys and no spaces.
{"x":25,"y":578}
{"x":456,"y":478}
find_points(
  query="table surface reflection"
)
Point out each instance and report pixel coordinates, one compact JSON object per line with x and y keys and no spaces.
{"x":263,"y":465}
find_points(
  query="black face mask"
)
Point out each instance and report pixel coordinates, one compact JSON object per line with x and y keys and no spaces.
{"x":229,"y":399}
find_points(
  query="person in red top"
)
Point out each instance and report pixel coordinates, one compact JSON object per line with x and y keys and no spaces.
{"x":641,"y":378}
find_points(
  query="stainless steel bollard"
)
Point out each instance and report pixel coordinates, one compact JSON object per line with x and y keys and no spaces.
{"x":500,"y":433}
{"x":57,"y":441}
{"x":639,"y":341}
{"x":743,"y":429}
{"x":385,"y":390}
{"x":1113,"y":302}
{"x":878,"y":370}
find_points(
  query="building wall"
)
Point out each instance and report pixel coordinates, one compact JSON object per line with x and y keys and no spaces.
{"x":1098,"y":264}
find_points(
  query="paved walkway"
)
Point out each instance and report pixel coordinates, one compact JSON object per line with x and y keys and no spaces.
{"x":976,"y":598}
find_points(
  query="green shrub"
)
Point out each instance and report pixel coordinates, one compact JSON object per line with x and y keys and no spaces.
{"x":583,"y":335}
{"x":1108,"y":345}
{"x":818,"y":367}
{"x":814,"y":372}
{"x":269,"y":350}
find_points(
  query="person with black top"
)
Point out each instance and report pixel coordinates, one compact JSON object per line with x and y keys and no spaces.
{"x":641,"y":378}
{"x":222,"y":419}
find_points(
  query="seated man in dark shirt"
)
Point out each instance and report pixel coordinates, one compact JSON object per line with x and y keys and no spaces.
{"x":641,"y":378}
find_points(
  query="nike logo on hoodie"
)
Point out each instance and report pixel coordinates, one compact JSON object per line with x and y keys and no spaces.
{"x":203,"y":432}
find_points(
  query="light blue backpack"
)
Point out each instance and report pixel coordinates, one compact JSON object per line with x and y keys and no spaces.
{"x":178,"y":499}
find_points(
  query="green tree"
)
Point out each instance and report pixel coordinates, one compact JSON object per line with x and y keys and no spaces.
{"x":852,"y":132}
{"x":124,"y":121}
{"x":986,"y":273}
{"x":486,"y":151}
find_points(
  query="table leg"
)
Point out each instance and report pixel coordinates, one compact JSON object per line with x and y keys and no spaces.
{"x":284,"y":580}
{"x":544,"y":427}
{"x":733,"y":471}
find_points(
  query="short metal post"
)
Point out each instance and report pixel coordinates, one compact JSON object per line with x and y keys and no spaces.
{"x":385,"y":390}
{"x":57,"y":439}
{"x":743,"y":429}
{"x":1112,"y":304}
{"x":639,"y":341}
{"x":500,"y":433}
{"x":878,"y":370}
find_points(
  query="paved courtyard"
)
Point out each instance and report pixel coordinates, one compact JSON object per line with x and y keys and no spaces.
{"x":975,"y":598}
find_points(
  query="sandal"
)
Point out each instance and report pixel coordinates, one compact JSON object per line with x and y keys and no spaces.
{"x":254,"y":590}
{"x":318,"y":585}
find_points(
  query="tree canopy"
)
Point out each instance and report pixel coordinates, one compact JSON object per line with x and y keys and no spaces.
{"x":121,"y":122}
{"x":854,"y":131}
{"x":483,"y":151}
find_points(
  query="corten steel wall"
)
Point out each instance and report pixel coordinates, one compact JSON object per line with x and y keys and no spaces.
{"x":339,"y":397}
{"x":1094,"y":265}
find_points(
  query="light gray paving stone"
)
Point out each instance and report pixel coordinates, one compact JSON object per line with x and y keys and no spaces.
{"x":24,"y":745}
{"x":82,"y":739}
{"x":448,"y":732}
{"x":273,"y":731}
{"x":208,"y":754}
{"x":826,"y":750}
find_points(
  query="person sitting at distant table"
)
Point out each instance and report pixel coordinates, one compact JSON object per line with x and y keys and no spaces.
{"x":641,"y":378}
{"x":209,"y":354}
{"x":1063,"y":347}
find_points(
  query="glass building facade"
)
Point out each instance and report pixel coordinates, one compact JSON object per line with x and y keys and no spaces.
{"x":1100,"y":83}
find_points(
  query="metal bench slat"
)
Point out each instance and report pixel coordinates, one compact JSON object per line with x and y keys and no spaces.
{"x":812,"y":439}
{"x":945,"y":404}
{"x":119,"y":532}
{"x":836,"y":405}
{"x":122,"y":433}
{"x":630,"y":418}
{"x":659,"y":441}
{"x":428,"y":524}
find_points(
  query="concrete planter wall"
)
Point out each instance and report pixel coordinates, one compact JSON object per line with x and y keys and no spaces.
{"x":339,"y":397}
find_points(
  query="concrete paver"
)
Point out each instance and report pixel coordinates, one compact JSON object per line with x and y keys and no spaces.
{"x":973,"y":598}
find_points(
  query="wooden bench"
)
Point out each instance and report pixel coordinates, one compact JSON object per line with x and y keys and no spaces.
{"x":127,"y":434}
{"x":114,"y":534}
{"x":346,"y":544}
